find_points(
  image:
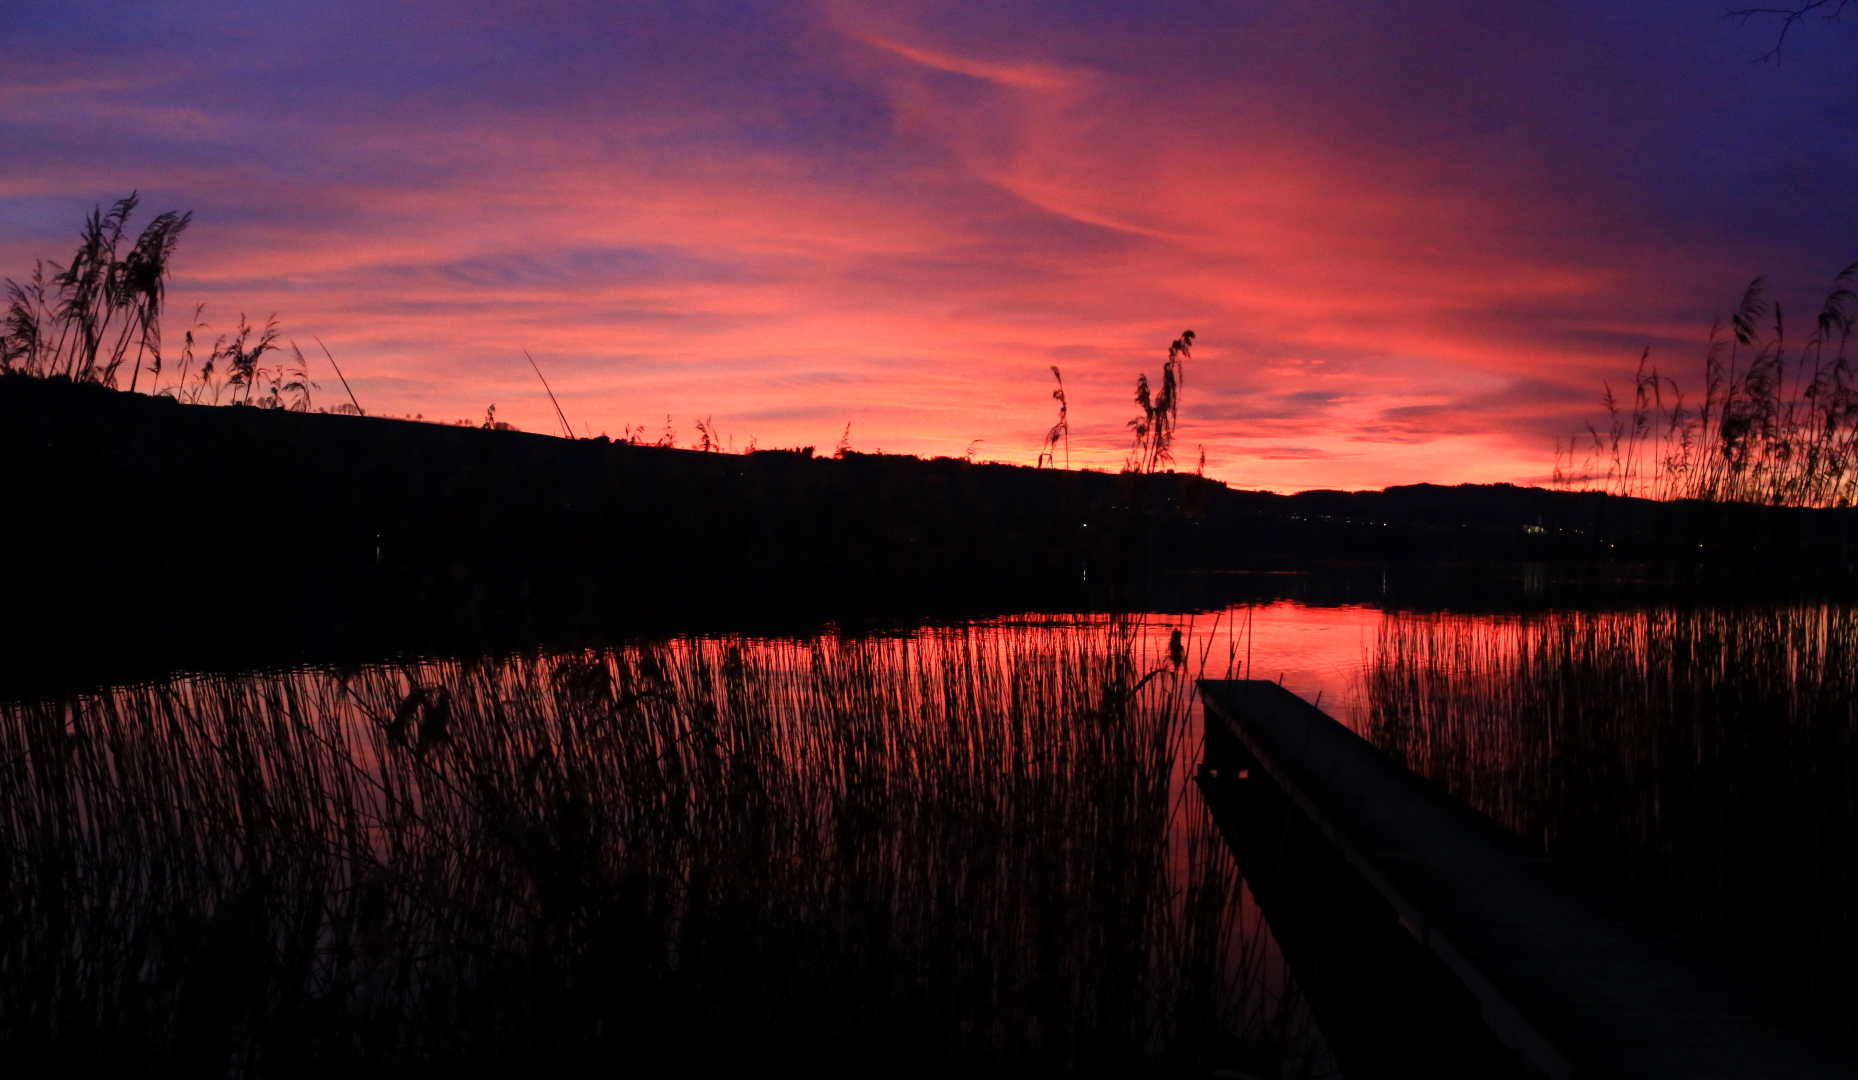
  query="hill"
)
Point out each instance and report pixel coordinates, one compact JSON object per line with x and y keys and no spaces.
{"x":213,"y":535}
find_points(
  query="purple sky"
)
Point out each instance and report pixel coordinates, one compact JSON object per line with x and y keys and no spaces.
{"x":1413,"y":238}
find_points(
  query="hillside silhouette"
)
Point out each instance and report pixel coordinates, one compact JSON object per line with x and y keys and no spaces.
{"x":192,"y":535}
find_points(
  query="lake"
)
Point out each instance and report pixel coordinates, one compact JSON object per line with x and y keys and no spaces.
{"x":939,"y":851}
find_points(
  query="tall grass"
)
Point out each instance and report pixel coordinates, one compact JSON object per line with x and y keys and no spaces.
{"x":99,"y":311}
{"x":1154,"y":430}
{"x":960,"y":851}
{"x":1777,"y":424}
{"x":1060,"y":432}
{"x":1703,"y":762}
{"x":99,"y":315}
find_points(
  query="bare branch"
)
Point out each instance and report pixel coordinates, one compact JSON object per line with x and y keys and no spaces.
{"x":1790,"y":17}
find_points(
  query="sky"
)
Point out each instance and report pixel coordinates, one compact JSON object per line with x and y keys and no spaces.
{"x":1413,"y":239}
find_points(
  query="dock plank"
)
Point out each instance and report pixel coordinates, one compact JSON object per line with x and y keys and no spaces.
{"x":1576,"y":982}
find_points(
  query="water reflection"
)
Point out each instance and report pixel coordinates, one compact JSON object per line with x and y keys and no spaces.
{"x":1700,"y":761}
{"x":955,"y":851}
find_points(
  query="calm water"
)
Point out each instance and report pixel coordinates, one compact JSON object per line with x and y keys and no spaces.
{"x":1702,"y":762}
{"x":951,"y":852}
{"x":966,"y":851}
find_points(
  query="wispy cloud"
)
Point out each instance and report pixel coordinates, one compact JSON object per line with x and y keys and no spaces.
{"x":1411,"y":251}
{"x":1018,"y":75}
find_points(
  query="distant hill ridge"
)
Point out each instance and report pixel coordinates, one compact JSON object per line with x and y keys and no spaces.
{"x":134,"y":519}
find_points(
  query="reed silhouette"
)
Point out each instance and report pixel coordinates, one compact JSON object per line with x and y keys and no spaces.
{"x":88,"y":319}
{"x":1699,"y":761}
{"x":1154,"y":429}
{"x":1060,"y":432}
{"x":960,"y":852}
{"x":101,"y":310}
{"x":1778,"y":424}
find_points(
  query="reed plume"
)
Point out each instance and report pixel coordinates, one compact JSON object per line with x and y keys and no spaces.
{"x":1776,"y":424}
{"x":1061,"y":431}
{"x":1154,"y":429}
{"x":99,"y":311}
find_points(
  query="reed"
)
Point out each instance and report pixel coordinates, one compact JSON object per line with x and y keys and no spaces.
{"x":1154,"y":429}
{"x":961,"y":851}
{"x":1699,"y":761}
{"x":1060,"y":432}
{"x":89,"y":319}
{"x":1777,"y":423}
{"x":101,"y":311}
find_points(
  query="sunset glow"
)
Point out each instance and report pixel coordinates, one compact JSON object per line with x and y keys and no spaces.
{"x":1413,"y":239}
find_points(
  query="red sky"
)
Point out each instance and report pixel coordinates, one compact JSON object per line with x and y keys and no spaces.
{"x":1412,"y":238}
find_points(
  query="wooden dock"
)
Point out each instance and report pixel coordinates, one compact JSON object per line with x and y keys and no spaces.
{"x":1573,"y":982}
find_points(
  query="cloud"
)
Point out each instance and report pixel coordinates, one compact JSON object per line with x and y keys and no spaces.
{"x":1020,"y":76}
{"x":1295,"y":453}
{"x":1413,"y":239}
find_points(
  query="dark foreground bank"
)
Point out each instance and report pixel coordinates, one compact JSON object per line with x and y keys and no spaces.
{"x":197,"y":536}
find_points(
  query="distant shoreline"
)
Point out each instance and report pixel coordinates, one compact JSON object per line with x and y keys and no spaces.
{"x":238,"y":535}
